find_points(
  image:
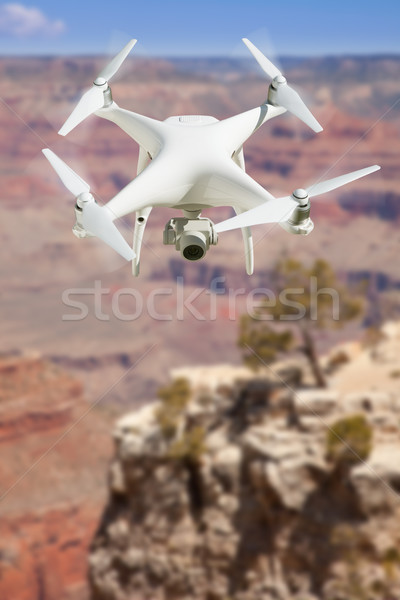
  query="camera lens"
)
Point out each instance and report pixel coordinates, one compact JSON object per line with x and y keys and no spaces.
{"x":193,"y":245}
{"x":193,"y":252}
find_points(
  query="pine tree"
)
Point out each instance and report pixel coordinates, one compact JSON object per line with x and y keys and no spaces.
{"x":306,"y":298}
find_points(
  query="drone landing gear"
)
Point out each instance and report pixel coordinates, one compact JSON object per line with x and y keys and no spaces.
{"x":248,"y":245}
{"x":140,"y":224}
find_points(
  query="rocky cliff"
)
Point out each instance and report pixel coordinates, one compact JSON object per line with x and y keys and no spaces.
{"x":251,"y":488}
{"x":50,"y":499}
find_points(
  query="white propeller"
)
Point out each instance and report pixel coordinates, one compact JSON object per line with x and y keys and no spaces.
{"x":272,"y":211}
{"x":70,"y":179}
{"x":280,"y":209}
{"x":281,"y":93}
{"x":93,"y":99}
{"x":331,"y":184}
{"x":95,"y":219}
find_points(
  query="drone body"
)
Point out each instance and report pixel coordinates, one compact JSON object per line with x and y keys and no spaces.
{"x":190,"y":163}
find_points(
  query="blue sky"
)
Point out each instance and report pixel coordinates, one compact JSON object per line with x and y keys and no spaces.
{"x":178,"y":28}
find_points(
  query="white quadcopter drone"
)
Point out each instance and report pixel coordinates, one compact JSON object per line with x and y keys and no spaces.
{"x":191,"y":162}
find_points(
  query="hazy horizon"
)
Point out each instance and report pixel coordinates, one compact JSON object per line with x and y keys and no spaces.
{"x":177,"y":57}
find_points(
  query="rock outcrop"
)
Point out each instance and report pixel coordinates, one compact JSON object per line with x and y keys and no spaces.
{"x":243,"y":500}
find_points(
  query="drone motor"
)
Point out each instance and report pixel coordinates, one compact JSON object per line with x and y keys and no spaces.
{"x":299,"y":222}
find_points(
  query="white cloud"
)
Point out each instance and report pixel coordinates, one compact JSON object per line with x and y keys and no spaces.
{"x":21,"y":21}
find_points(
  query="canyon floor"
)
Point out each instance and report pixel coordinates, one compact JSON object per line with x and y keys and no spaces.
{"x":48,"y":271}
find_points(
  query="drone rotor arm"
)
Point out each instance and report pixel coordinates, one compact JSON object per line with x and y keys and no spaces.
{"x":237,"y":129}
{"x":147,"y":132}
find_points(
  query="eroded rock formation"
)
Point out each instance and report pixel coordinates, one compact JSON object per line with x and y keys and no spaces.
{"x":243,"y":502}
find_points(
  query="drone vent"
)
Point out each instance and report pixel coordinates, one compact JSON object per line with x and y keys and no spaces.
{"x":190,"y":118}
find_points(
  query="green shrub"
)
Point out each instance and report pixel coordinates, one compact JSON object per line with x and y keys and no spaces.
{"x":349,"y":440}
{"x":390,"y":561}
{"x":175,"y":398}
{"x":190,"y":447}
